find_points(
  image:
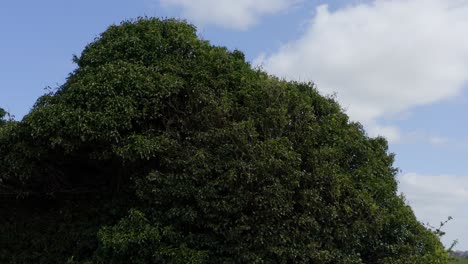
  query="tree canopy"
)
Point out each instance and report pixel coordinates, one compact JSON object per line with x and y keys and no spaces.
{"x":3,"y":115}
{"x":162,"y":148}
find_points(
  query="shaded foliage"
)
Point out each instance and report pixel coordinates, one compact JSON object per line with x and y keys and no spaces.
{"x":3,"y":115}
{"x":219,"y":162}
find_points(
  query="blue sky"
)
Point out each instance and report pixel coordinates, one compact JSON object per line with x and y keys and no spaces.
{"x":399,"y":67}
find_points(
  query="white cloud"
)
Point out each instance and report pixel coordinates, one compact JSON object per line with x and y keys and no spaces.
{"x":381,"y":58}
{"x":235,"y":14}
{"x":391,"y":133}
{"x":435,"y":140}
{"x":424,"y":137}
{"x":434,"y":198}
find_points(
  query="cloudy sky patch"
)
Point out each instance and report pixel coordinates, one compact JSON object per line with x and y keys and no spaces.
{"x":381,"y":58}
{"x":238,"y":14}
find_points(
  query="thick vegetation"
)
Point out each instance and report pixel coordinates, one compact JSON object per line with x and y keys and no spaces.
{"x":161,"y":148}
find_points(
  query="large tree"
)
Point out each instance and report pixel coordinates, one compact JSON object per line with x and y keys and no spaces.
{"x":215,"y":162}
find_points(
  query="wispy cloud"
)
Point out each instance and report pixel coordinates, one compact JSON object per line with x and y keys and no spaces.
{"x":435,"y":140}
{"x":381,"y":58}
{"x":238,"y":14}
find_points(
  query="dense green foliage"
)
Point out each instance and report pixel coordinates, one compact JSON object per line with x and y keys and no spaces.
{"x":3,"y":115}
{"x":459,"y":261}
{"x":161,"y":148}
